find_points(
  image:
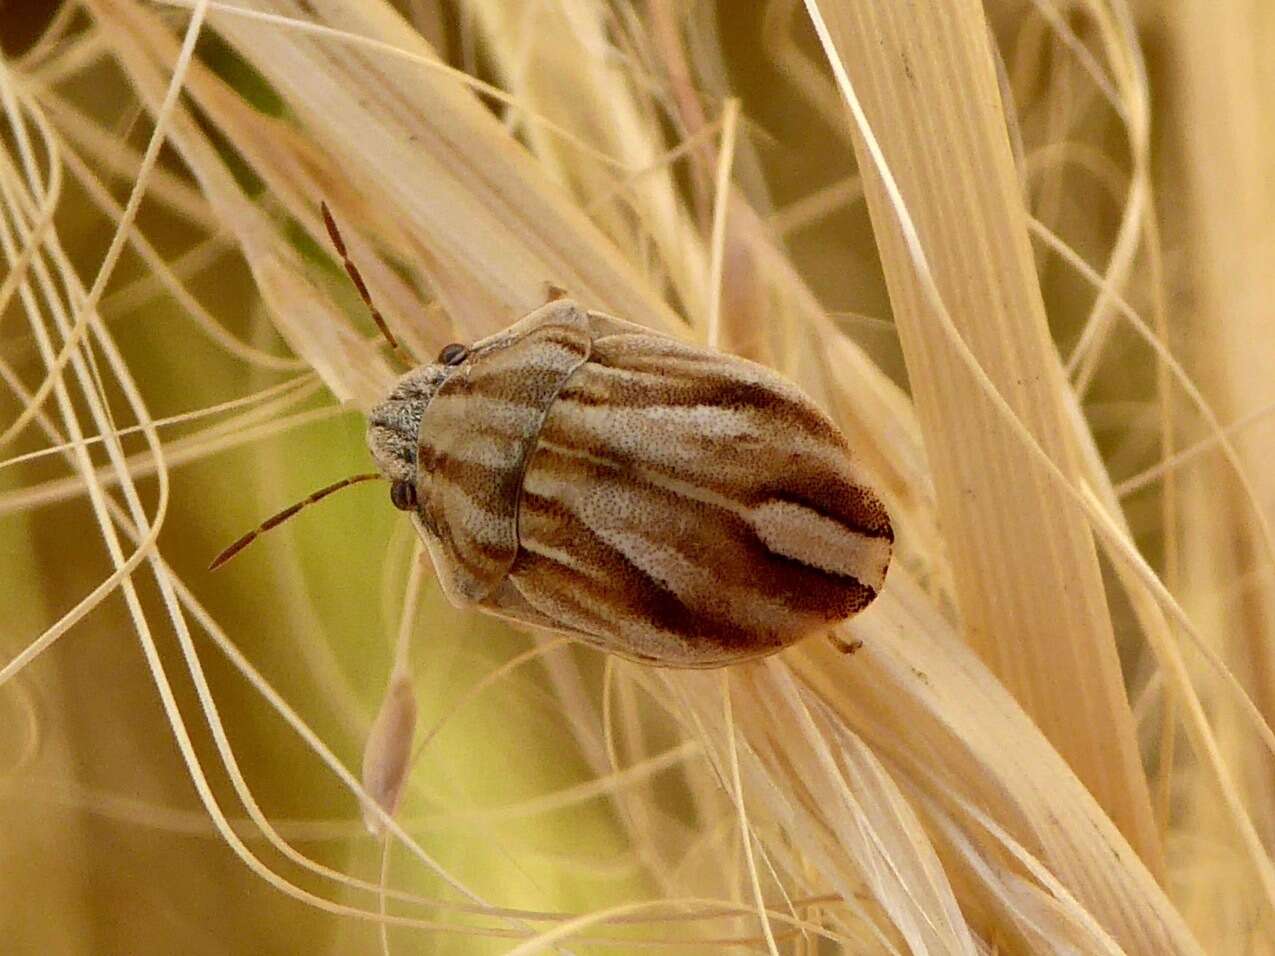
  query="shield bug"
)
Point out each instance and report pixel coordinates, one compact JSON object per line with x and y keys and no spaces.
{"x":667,"y":503}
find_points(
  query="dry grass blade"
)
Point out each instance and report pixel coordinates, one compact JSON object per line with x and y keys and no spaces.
{"x":1018,"y":548}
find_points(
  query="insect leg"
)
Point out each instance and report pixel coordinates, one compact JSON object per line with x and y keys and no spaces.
{"x":845,"y":647}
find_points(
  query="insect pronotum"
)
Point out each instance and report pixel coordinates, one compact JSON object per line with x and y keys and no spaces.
{"x":663,"y":502}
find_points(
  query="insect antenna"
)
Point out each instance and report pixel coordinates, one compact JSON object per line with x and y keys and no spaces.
{"x":356,"y":277}
{"x":287,"y":513}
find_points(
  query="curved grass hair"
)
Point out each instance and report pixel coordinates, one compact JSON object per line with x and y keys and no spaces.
{"x":1043,"y":331}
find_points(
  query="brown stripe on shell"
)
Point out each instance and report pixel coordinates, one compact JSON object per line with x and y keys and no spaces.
{"x":590,"y":585}
{"x":722,"y":547}
{"x":661,"y":570}
{"x":526,"y":373}
{"x":475,"y":438}
{"x":848,"y":504}
{"x":592,"y":611}
{"x":744,"y":453}
{"x":678,"y":376}
{"x":743,"y":473}
{"x":479,"y":484}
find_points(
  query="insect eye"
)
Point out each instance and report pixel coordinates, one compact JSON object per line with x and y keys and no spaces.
{"x":452,"y":354}
{"x":403,"y":495}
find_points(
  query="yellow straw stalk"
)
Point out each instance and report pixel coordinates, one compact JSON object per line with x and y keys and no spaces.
{"x":1024,"y":563}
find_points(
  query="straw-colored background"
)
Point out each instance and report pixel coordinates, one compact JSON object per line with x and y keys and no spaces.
{"x":1019,"y":250}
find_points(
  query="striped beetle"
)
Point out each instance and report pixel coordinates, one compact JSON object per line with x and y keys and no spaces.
{"x":666,"y":503}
